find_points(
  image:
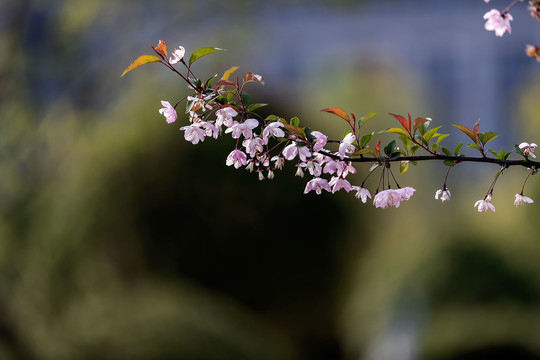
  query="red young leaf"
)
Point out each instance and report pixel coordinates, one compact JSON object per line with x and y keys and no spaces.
{"x":161,"y":48}
{"x":475,"y":131}
{"x":339,"y":112}
{"x":406,"y":124}
{"x":225,"y":82}
{"x":378,"y":148}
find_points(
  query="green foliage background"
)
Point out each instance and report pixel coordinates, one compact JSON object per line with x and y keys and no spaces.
{"x":120,"y":240}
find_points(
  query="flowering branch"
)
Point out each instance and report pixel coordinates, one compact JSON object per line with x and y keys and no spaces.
{"x":264,"y":144}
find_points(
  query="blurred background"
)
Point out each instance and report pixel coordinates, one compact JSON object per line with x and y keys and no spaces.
{"x":120,"y":240}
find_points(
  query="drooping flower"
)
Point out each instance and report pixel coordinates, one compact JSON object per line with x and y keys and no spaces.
{"x":362,"y":193}
{"x":299,"y":171}
{"x":346,"y":147}
{"x":194,"y":133}
{"x":177,"y":55}
{"x":318,"y":184}
{"x":168,"y":111}
{"x":279,"y":161}
{"x":495,"y":21}
{"x":225,"y":116}
{"x":387,"y":198}
{"x":520,"y":199}
{"x":444,"y":193}
{"x":338,"y":183}
{"x":236,"y":158}
{"x":273,"y":129}
{"x":485,"y":204}
{"x":528,"y":149}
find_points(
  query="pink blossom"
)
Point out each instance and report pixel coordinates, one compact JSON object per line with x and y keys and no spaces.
{"x":168,"y":111}
{"x":528,"y":149}
{"x":313,"y":166}
{"x":320,"y":140}
{"x":486,"y":1}
{"x":236,"y":158}
{"x":194,"y":133}
{"x":444,"y":194}
{"x":485,"y":204}
{"x":341,"y":168}
{"x":346,"y":147}
{"x":495,"y":21}
{"x":274,"y":130}
{"x":225,"y":116}
{"x":318,"y":184}
{"x":520,"y":199}
{"x":387,"y":198}
{"x":362,"y":193}
{"x":210,"y":129}
{"x":290,"y":151}
{"x":198,"y":103}
{"x":178,"y":55}
{"x":405,"y":193}
{"x":246,"y":128}
{"x":338,"y":183}
{"x":253,"y":146}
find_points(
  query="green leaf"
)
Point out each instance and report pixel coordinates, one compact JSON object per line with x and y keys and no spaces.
{"x":246,"y":98}
{"x":295,"y":121}
{"x":399,"y":131}
{"x":141,"y":60}
{"x":475,"y":146}
{"x":365,"y":118}
{"x":441,"y":137}
{"x":493,"y":152}
{"x":488,"y":136}
{"x":364,"y":140}
{"x":518,"y":150}
{"x":501,"y":153}
{"x":403,"y":167}
{"x":423,"y":128}
{"x":428,"y":135}
{"x":199,"y":53}
{"x":446,"y":151}
{"x":457,"y":149}
{"x":253,"y":107}
{"x":209,"y":82}
{"x":390,"y":148}
{"x":414,"y":149}
{"x":450,"y":163}
{"x":406,"y":141}
{"x":434,"y":147}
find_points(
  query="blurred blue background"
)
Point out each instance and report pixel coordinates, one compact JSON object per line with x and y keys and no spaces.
{"x":120,"y":240}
